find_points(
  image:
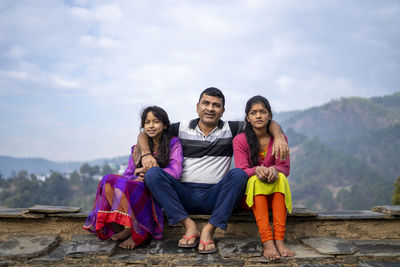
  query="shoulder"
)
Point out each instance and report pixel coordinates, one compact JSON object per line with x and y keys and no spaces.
{"x":240,"y":138}
{"x":236,"y":127}
{"x":174,"y":141}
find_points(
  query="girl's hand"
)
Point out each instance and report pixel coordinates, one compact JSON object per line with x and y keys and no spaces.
{"x":140,"y":171}
{"x":272,"y":175}
{"x":261,"y":173}
{"x":140,"y":179}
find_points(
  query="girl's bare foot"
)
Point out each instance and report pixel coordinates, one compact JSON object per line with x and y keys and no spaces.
{"x":124,"y":234}
{"x":283,"y":249}
{"x":269,"y":251}
{"x":128,"y":244}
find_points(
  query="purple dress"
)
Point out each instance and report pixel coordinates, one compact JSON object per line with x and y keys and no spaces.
{"x":122,"y":200}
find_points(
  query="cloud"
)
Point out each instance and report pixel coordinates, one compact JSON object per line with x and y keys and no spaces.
{"x":97,"y":64}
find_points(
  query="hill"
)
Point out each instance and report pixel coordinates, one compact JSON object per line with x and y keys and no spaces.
{"x":41,"y":166}
{"x":367,"y":129}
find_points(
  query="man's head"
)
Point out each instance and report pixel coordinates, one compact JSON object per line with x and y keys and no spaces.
{"x":211,"y":106}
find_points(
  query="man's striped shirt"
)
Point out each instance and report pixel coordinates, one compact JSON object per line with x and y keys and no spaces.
{"x":206,"y":158}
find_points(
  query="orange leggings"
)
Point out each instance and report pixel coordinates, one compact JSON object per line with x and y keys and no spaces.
{"x":260,"y":209}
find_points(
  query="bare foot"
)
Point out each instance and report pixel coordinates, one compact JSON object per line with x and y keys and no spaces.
{"x":283,"y":249}
{"x":206,"y":236}
{"x":191,"y":230}
{"x":269,"y":251}
{"x":128,"y":244}
{"x":124,"y":234}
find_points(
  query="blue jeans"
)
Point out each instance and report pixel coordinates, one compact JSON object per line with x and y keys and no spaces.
{"x":180,"y":199}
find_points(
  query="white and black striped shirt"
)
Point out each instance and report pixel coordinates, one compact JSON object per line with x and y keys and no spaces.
{"x":206,"y":158}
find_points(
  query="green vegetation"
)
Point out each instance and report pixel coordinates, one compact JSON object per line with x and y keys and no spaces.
{"x":23,"y":190}
{"x":396,"y":194}
{"x":323,"y":178}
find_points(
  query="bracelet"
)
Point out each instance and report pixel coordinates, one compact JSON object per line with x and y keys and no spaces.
{"x":147,"y":154}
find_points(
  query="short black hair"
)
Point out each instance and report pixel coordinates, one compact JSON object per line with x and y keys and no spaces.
{"x":213,"y":91}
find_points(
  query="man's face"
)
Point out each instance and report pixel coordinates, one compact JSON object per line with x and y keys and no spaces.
{"x":210,"y":110}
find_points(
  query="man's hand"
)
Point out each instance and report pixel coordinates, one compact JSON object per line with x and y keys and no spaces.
{"x":149,"y":161}
{"x":280,"y":148}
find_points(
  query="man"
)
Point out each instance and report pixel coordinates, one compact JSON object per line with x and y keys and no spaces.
{"x":207,"y":186}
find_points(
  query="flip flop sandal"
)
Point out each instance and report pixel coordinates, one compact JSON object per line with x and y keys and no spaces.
{"x":207,"y":251}
{"x":195,"y":244}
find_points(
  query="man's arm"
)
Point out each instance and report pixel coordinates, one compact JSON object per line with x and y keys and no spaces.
{"x":148,"y":160}
{"x":280,"y":147}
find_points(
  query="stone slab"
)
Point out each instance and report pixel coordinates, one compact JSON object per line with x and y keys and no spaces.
{"x":302,"y":212}
{"x":303,"y":255}
{"x":11,"y":213}
{"x":389,"y":209}
{"x":330,"y":245}
{"x":70,"y":215}
{"x":55,"y":256}
{"x":378,"y":248}
{"x":169,"y":246}
{"x":89,"y":245}
{"x":378,"y":264}
{"x":19,"y":213}
{"x":27,"y":246}
{"x":137,"y":255}
{"x":351,"y":215}
{"x":207,"y":260}
{"x":52,"y":209}
{"x":321,"y":265}
{"x":234,"y":247}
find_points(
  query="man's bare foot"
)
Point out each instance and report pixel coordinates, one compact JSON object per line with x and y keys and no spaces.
{"x":124,"y":234}
{"x":269,"y":251}
{"x":191,"y":233}
{"x":128,"y":244}
{"x":206,"y":239}
{"x":283,"y":249}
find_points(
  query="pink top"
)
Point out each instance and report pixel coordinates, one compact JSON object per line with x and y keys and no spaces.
{"x":242,"y":157}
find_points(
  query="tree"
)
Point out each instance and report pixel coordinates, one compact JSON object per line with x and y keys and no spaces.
{"x":396,"y":194}
{"x":106,"y":169}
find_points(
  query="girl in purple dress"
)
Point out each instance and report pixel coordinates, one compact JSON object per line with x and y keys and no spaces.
{"x":125,"y":199}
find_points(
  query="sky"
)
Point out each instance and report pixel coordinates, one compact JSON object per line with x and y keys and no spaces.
{"x":75,"y":75}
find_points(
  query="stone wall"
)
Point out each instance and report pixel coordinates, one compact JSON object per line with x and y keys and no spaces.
{"x":54,"y":236}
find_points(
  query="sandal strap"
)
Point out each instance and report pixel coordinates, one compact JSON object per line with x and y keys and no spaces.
{"x":189,"y":237}
{"x":206,"y":243}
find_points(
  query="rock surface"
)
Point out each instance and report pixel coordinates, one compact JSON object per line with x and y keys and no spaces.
{"x":330,"y":245}
{"x":350,"y":215}
{"x":89,"y":245}
{"x":27,"y":246}
{"x":52,"y":209}
{"x":390,"y":209}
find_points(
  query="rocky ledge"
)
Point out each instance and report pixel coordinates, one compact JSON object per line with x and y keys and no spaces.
{"x":52,"y":236}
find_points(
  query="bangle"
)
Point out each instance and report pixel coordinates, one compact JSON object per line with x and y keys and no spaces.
{"x":147,"y":154}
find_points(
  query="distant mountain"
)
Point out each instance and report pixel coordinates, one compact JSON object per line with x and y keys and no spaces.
{"x":324,"y":178}
{"x":44,"y":166}
{"x":368,"y":129}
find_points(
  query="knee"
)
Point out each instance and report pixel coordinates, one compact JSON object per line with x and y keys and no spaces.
{"x":238,"y":176}
{"x":152,"y":175}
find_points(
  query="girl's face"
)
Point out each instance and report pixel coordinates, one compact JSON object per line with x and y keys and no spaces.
{"x":258,"y":116}
{"x":153,"y":127}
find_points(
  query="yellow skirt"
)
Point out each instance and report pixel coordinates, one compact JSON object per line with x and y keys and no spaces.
{"x":256,"y":187}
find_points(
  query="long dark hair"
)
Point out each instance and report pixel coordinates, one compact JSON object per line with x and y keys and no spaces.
{"x":248,"y":130}
{"x":163,"y":152}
